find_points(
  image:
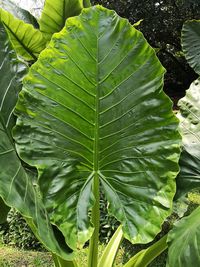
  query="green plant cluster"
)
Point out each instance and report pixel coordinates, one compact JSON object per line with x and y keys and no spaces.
{"x":17,"y":233}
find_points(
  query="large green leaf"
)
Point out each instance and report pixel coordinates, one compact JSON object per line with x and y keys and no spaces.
{"x":55,"y":13}
{"x":191,"y":43}
{"x":18,"y":12}
{"x":184,"y":242}
{"x":189,"y":116}
{"x":89,"y":110}
{"x":16,"y":187}
{"x":27,"y":41}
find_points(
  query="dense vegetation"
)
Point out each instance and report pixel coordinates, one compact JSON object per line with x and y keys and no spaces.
{"x":161,"y":25}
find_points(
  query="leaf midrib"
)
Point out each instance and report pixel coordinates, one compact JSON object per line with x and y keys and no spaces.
{"x":96,"y":126}
{"x":21,"y":43}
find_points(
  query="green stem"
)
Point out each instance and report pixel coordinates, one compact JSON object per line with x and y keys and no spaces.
{"x":94,"y":241}
{"x":58,"y":262}
{"x":146,"y":256}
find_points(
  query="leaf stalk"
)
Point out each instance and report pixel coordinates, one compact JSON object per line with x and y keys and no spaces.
{"x":94,"y":241}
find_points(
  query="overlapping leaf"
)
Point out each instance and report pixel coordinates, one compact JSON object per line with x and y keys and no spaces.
{"x":56,"y":12}
{"x":93,"y":106}
{"x":16,"y":187}
{"x":184,"y":242}
{"x":18,"y":12}
{"x":27,"y":41}
{"x":191,"y":43}
{"x":184,"y":239}
{"x":4,"y":209}
{"x":189,"y":116}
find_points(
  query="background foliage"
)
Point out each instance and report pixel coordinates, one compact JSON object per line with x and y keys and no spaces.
{"x":162,"y":23}
{"x":17,"y":233}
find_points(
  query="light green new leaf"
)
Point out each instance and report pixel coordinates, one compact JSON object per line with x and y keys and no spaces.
{"x":89,"y":110}
{"x":110,"y":252}
{"x":136,"y":24}
{"x":191,"y":43}
{"x":27,"y":41}
{"x":144,"y":257}
{"x":18,"y":12}
{"x":55,"y":13}
{"x":184,"y":242}
{"x":16,"y":187}
{"x":189,"y":116}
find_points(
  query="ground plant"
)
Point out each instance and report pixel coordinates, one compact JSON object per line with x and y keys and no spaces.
{"x":91,"y":116}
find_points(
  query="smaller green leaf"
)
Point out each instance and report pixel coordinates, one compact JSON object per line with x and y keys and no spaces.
{"x":184,"y":242}
{"x":4,"y":209}
{"x":18,"y":12}
{"x":110,"y":252}
{"x":27,"y":41}
{"x":136,"y":24}
{"x":56,"y":12}
{"x":146,"y":256}
{"x":189,"y":176}
{"x":189,"y":116}
{"x":191,"y":43}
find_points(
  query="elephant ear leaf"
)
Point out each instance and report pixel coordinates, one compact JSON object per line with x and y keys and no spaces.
{"x":88,"y":112}
{"x":18,"y":12}
{"x":27,"y":41}
{"x":16,"y":187}
{"x":191,"y":43}
{"x":189,"y":116}
{"x":55,"y":13}
{"x":184,"y":242}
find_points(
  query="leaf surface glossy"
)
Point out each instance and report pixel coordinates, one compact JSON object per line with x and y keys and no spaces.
{"x":91,"y":106}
